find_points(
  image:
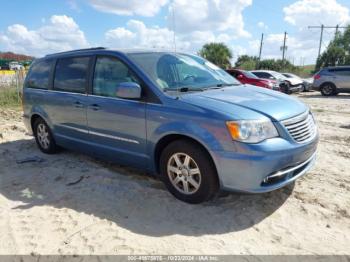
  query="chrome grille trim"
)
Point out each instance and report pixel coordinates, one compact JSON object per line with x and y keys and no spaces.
{"x":298,"y":124}
{"x":283,"y":172}
{"x":296,"y":118}
{"x":301,"y":128}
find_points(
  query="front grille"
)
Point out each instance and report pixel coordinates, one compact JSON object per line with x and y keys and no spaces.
{"x":302,"y":128}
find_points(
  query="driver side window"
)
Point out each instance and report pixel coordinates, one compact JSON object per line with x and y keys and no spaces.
{"x":109,"y":73}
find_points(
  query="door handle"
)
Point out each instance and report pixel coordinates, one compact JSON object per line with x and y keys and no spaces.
{"x":78,"y":104}
{"x":95,"y":107}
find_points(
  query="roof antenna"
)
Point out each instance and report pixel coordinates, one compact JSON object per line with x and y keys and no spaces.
{"x":174,"y":27}
{"x":178,"y":93}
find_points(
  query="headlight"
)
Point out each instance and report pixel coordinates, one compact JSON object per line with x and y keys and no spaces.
{"x":251,"y":131}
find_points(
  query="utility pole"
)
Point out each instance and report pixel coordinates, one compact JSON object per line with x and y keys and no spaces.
{"x":284,"y":47}
{"x":319,"y":49}
{"x":322,"y":27}
{"x":261,"y":45}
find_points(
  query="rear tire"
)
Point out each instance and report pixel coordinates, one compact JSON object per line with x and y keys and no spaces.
{"x":188,"y":172}
{"x":43,"y":137}
{"x":328,"y":89}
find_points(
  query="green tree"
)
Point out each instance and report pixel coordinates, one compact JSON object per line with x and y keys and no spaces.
{"x":246,"y":62}
{"x":338,"y":51}
{"x":217,"y":53}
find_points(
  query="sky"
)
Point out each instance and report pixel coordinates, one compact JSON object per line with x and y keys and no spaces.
{"x":39,"y":27}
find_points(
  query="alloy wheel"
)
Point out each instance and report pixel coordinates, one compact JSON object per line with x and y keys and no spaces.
{"x":327,"y":89}
{"x":184,"y":173}
{"x":43,"y":136}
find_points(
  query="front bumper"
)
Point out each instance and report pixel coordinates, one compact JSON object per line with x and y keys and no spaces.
{"x":265,"y":167}
{"x":296,"y":88}
{"x":288,"y":175}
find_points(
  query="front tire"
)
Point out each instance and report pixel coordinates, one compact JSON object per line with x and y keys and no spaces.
{"x":43,"y":137}
{"x":328,"y":89}
{"x":188,"y":172}
{"x":285,"y":87}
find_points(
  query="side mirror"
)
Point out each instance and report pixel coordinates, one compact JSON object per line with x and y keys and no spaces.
{"x":128,"y":90}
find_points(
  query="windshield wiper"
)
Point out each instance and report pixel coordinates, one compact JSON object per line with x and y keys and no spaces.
{"x":224,"y":85}
{"x":184,"y":89}
{"x":218,"y":86}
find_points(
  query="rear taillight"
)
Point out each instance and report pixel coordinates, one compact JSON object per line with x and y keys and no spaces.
{"x":317,"y":76}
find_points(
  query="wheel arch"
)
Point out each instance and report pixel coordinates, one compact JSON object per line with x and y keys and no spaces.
{"x":33,"y":118}
{"x":169,"y":138}
{"x":39,"y":112}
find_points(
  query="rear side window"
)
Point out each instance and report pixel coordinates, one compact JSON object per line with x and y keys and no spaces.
{"x":263,"y":75}
{"x":323,"y":72}
{"x":340,"y":71}
{"x":39,"y":75}
{"x":71,"y":74}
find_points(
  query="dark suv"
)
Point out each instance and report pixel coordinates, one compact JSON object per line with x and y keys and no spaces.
{"x":333,"y":80}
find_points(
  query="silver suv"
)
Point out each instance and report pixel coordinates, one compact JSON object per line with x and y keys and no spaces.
{"x":333,"y":80}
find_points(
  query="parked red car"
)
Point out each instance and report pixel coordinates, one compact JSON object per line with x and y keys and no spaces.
{"x":246,"y":77}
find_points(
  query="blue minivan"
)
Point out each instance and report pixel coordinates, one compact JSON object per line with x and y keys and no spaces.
{"x":173,"y":114}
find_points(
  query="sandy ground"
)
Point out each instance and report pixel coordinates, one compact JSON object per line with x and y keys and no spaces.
{"x":117,"y":210}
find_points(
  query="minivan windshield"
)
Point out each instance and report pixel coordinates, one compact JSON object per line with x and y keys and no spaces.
{"x":172,"y":71}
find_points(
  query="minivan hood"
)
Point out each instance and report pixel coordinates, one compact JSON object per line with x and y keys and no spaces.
{"x":272,"y":104}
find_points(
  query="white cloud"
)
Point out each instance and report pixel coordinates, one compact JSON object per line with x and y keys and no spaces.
{"x":304,"y":13}
{"x":61,"y":33}
{"x":209,"y":15}
{"x":262,"y":25}
{"x":309,"y":12}
{"x":303,"y":44}
{"x":129,"y":7}
{"x":137,"y":35}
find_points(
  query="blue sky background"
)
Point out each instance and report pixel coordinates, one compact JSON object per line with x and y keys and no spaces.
{"x":85,"y":25}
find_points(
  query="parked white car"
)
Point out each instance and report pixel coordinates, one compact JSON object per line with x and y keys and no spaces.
{"x":287,"y":85}
{"x":297,"y":80}
{"x":15,"y":66}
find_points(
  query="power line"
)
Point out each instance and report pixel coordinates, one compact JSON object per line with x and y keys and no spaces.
{"x":322,"y":27}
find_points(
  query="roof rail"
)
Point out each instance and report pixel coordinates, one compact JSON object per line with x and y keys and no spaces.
{"x":77,"y":50}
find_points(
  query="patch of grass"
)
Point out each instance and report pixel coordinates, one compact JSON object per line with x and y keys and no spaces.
{"x":9,"y":98}
{"x":319,"y":110}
